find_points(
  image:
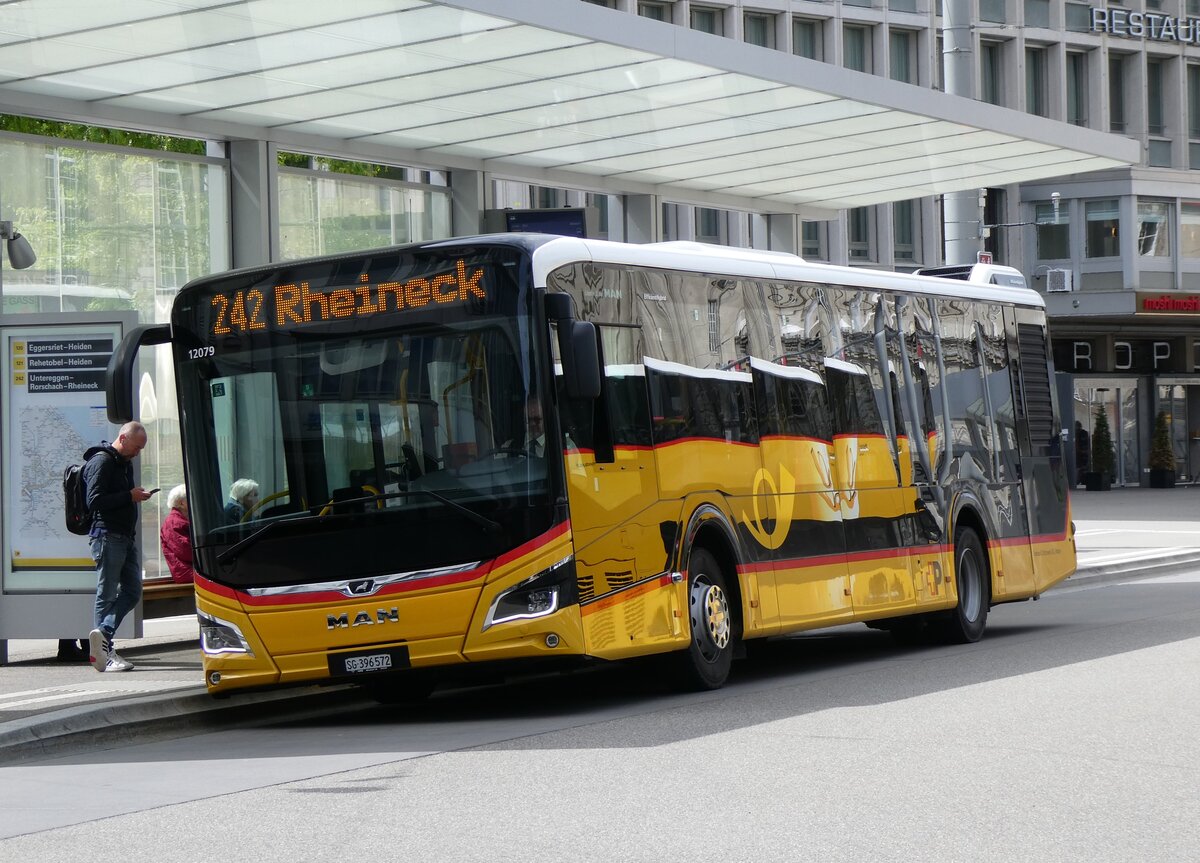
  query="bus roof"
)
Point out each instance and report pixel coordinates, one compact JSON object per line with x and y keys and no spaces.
{"x":755,"y":264}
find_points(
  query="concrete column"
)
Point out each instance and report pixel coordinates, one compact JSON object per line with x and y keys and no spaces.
{"x":783,"y":232}
{"x":759,"y":232}
{"x":642,"y":218}
{"x":254,"y":202}
{"x":469,"y":192}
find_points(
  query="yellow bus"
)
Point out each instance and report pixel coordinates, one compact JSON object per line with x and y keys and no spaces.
{"x":486,"y":452}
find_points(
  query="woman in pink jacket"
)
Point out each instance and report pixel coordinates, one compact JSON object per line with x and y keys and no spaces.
{"x":176,"y":541}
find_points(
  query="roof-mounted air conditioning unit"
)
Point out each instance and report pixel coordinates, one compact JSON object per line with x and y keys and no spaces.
{"x":1059,"y":280}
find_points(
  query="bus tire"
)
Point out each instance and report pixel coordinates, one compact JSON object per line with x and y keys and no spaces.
{"x":711,"y":625}
{"x":964,"y":624}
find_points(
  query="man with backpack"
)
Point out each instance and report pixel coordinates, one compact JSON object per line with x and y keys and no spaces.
{"x":113,"y":500}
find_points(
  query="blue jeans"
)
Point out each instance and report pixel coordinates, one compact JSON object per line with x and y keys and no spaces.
{"x":118,"y":579}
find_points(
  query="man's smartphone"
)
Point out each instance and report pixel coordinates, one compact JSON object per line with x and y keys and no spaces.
{"x":154,"y":491}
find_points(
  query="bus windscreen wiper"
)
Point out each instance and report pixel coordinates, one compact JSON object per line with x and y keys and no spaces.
{"x":231,"y":553}
{"x":492,"y":527}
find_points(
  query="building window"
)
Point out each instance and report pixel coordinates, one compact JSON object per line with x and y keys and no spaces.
{"x":1037,"y":13}
{"x":1189,"y":229}
{"x":1154,"y":229}
{"x":856,"y":47}
{"x":759,"y":29}
{"x":656,"y":11}
{"x":1116,"y":94}
{"x":995,"y":206}
{"x":1078,"y":17}
{"x":1077,"y":89}
{"x":812,"y":240}
{"x":1193,"y":97}
{"x":1103,"y":229}
{"x":904,"y":230}
{"x":1154,"y":97}
{"x":901,"y":56}
{"x":902,"y":5}
{"x":1035,"y":81}
{"x":1053,"y":232}
{"x":708,"y":225}
{"x":806,"y":38}
{"x":992,"y":10}
{"x":858,"y":233}
{"x":114,"y":229}
{"x":939,"y":72}
{"x":1158,"y":154}
{"x":706,"y":20}
{"x":990,"y":73}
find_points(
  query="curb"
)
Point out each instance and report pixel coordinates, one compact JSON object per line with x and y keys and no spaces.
{"x":1130,"y":566}
{"x":146,"y":718}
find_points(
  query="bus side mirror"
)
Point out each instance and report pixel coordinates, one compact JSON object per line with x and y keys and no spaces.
{"x":118,"y":379}
{"x":580,"y":359}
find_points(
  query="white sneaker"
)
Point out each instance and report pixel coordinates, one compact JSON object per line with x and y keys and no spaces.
{"x":98,"y":650}
{"x":117,"y":663}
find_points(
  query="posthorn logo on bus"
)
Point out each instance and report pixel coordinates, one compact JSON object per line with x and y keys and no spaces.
{"x":362,"y":618}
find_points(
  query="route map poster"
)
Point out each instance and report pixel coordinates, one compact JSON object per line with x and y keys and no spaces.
{"x":53,"y":409}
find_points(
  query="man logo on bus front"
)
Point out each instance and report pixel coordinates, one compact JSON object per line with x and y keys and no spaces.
{"x":360,"y":588}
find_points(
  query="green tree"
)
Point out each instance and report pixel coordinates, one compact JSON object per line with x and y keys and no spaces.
{"x":1162,"y":455}
{"x":1103,"y":458}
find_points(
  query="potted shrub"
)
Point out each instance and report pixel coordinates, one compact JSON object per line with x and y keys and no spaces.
{"x":1103,"y":458}
{"x":1162,"y":455}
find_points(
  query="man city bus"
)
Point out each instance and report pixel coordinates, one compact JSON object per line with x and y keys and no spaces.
{"x":734,"y":445}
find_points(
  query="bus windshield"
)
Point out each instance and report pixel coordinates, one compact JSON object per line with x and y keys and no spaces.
{"x":389,"y":441}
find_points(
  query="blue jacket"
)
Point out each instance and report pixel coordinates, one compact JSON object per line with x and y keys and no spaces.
{"x":109,"y":480}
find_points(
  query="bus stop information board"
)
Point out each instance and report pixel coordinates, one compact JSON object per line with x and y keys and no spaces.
{"x":54,"y":409}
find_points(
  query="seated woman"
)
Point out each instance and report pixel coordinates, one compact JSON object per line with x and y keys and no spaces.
{"x":243,"y":495}
{"x":176,"y":539}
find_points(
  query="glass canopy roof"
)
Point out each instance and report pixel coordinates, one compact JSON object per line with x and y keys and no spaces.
{"x":558,"y":92}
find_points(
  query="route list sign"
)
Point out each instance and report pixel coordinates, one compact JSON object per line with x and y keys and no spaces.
{"x":54,"y":409}
{"x":58,"y":366}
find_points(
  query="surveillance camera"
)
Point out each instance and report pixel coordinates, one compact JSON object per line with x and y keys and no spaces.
{"x":1054,"y":196}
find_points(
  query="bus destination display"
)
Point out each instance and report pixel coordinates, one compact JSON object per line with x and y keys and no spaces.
{"x":297,"y":303}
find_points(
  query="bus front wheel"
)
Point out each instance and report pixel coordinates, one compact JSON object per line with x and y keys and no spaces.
{"x":964,"y":623}
{"x":711,"y":623}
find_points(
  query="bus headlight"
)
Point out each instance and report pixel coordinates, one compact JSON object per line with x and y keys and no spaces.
{"x":537,"y":596}
{"x":219,"y":637}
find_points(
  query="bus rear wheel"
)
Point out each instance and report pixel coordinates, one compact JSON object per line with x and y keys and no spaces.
{"x":711,"y":623}
{"x":964,"y":624}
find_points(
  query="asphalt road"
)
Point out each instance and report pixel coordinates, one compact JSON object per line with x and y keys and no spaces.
{"x":1069,"y":733}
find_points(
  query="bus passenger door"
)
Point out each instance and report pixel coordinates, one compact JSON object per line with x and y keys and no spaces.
{"x":795,"y":515}
{"x":873,"y":505}
{"x":623,"y":535}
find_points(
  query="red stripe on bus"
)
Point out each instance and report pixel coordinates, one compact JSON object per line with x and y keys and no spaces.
{"x":621,"y":594}
{"x":794,"y":437}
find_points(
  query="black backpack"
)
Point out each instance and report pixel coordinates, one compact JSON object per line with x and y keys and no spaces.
{"x":78,"y":516}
